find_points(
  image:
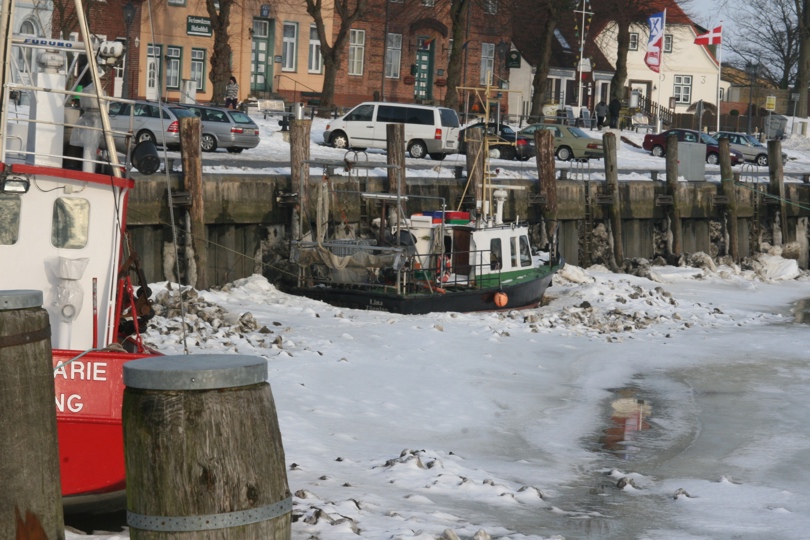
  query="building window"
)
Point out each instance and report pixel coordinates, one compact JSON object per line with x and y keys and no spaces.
{"x":288,"y":46}
{"x":198,"y":68}
{"x":490,"y":7}
{"x":667,"y":43}
{"x":397,"y":1}
{"x":173,"y":67}
{"x":633,"y":42}
{"x":683,"y":89}
{"x":261,"y":29}
{"x":177,"y":2}
{"x":487,"y":62}
{"x":429,"y":3}
{"x":315,"y":59}
{"x":357,"y":47}
{"x":393,"y":56}
{"x":721,"y":95}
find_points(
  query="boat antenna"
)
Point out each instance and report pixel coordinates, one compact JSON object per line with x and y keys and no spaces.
{"x":167,"y":176}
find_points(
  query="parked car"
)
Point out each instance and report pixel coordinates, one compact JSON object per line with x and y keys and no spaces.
{"x":505,"y":142}
{"x":570,"y":142}
{"x":750,"y":147}
{"x":656,"y":144}
{"x":428,"y":130}
{"x":146,"y":123}
{"x":225,"y":128}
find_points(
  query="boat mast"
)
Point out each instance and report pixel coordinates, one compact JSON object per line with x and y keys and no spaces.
{"x":6,"y":18}
{"x":91,"y":61}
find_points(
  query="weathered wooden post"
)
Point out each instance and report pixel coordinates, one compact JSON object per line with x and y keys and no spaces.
{"x":727,"y":185}
{"x":615,"y":207}
{"x":192,"y":177}
{"x":675,"y":247}
{"x":30,"y":488}
{"x":395,"y":147}
{"x":777,"y":191}
{"x":546,"y":173}
{"x":203,"y":450}
{"x":475,"y":165}
{"x":299,"y":172}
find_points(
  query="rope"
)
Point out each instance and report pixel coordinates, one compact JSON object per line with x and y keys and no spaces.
{"x":169,"y":190}
{"x":771,"y":196}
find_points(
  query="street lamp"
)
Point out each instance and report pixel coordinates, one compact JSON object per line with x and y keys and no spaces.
{"x":752,"y":70}
{"x":584,"y":11}
{"x":129,"y":16}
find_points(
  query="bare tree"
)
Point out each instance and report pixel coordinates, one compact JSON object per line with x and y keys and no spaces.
{"x":766,"y":31}
{"x":348,"y":12}
{"x":459,"y":11}
{"x":803,"y":76}
{"x":219,"y":11}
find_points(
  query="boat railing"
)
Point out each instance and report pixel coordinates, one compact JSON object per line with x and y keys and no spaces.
{"x":18,"y":117}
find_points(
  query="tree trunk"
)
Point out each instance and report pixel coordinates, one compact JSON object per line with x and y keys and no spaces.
{"x":620,"y":75}
{"x":221,"y":54}
{"x":803,"y":76}
{"x":458,"y":10}
{"x":541,"y":75}
{"x":331,"y":65}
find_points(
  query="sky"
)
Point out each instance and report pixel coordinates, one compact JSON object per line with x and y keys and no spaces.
{"x":670,"y":405}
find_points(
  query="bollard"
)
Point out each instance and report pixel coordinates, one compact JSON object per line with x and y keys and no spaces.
{"x":30,"y":488}
{"x":203,"y":450}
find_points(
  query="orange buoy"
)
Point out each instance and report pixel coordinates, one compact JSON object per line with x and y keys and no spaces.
{"x":501,"y":299}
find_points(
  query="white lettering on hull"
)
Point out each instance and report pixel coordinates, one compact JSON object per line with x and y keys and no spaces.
{"x":73,"y":403}
{"x":82,"y":371}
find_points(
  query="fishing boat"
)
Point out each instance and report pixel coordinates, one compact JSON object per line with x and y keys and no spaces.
{"x":416,"y":263}
{"x":63,"y":207}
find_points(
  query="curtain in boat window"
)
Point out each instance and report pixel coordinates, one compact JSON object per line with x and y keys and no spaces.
{"x":71,"y":223}
{"x":9,"y":219}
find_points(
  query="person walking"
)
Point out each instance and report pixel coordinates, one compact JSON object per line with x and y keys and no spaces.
{"x":601,"y":111}
{"x":231,"y":93}
{"x":614,"y":108}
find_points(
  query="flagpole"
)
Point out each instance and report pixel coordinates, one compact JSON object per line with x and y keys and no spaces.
{"x":658,"y":122}
{"x":719,"y":74}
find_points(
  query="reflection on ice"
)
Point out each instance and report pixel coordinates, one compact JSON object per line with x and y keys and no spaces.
{"x":801,"y":311}
{"x":627,"y":418}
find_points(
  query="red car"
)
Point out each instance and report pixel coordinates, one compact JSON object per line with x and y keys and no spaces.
{"x":657,"y":144}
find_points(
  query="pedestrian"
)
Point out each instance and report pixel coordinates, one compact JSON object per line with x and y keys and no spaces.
{"x":601,"y":113}
{"x":231,"y":94}
{"x":614,"y":108}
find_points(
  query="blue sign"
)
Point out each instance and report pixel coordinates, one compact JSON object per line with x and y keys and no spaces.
{"x":265,"y":11}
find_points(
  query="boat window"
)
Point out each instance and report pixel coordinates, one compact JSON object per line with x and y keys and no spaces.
{"x":495,"y":254}
{"x":9,"y":219}
{"x":513,"y":251}
{"x":525,"y":252}
{"x":71,"y":223}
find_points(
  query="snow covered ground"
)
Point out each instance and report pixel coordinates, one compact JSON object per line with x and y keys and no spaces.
{"x":670,"y":407}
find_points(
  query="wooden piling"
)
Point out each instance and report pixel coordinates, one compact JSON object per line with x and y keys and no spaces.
{"x":546,"y":173}
{"x":727,"y":186}
{"x":676,"y":231}
{"x":30,"y":486}
{"x":612,"y":187}
{"x":190,"y":131}
{"x":203,"y":450}
{"x":776,"y":189}
{"x":395,"y":148}
{"x":299,"y":152}
{"x":475,"y":164}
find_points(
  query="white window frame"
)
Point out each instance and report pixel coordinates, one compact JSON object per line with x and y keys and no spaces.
{"x":357,"y":49}
{"x":315,"y":59}
{"x":668,"y":43}
{"x":174,"y":66}
{"x":393,"y":56}
{"x":633,"y":44}
{"x":491,"y":7}
{"x":428,"y":3}
{"x":682,"y":88}
{"x":289,"y":46}
{"x":487,"y":63}
{"x":198,"y":60}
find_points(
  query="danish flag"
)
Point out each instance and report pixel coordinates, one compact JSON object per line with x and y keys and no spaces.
{"x":710,"y":38}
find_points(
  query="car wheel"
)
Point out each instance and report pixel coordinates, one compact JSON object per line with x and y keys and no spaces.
{"x":438,"y":157}
{"x":339,"y":140}
{"x":657,"y":150}
{"x":417,"y":150}
{"x":712,"y":159}
{"x":145,"y":135}
{"x":762,"y":160}
{"x":508,"y":152}
{"x":564,"y":153}
{"x":208,"y":143}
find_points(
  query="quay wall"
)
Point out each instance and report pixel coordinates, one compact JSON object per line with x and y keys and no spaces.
{"x":249,"y":218}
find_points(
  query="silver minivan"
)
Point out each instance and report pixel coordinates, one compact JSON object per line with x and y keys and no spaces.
{"x":147,"y":123}
{"x":428,"y":130}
